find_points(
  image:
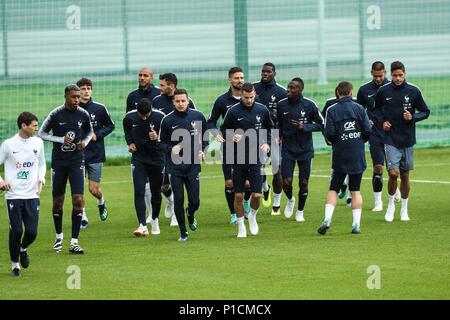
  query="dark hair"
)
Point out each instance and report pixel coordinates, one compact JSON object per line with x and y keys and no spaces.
{"x":344,"y":88}
{"x":144,"y":106}
{"x":396,"y":65}
{"x":25,"y":117}
{"x":300,"y":81}
{"x":269,"y":64}
{"x":378,"y":66}
{"x":84,"y":82}
{"x":233,"y":71}
{"x":247,"y":87}
{"x":180,"y":91}
{"x":170,"y":78}
{"x":71,"y":87}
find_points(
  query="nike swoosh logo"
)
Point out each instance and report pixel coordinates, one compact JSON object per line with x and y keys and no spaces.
{"x":239,"y":119}
{"x":370,"y":95}
{"x":14,"y":152}
{"x":174,"y":127}
{"x":387,"y":99}
{"x":135,"y":125}
{"x":285,"y":113}
{"x":62,"y":123}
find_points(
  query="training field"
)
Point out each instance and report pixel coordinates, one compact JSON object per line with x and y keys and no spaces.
{"x":286,"y":260}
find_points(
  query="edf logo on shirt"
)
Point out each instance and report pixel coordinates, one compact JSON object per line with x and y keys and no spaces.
{"x":24,"y":165}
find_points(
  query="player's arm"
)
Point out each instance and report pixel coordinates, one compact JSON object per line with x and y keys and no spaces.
{"x":44,"y":131}
{"x":130,"y":105}
{"x":164,"y":136}
{"x":4,"y":186}
{"x":330,"y":129}
{"x":422,"y":107}
{"x":87,"y":127}
{"x":366,"y":127}
{"x":317,"y":119}
{"x":42,"y":168}
{"x":108,"y":125}
{"x":268,"y":125}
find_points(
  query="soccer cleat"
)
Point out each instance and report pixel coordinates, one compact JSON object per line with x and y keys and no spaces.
{"x":169,"y":211}
{"x":289,"y":210}
{"x":356,"y":229}
{"x":389,"y":216}
{"x":24,"y":259}
{"x":57,"y":247}
{"x":76,"y":249}
{"x":15,"y":272}
{"x":182,"y":238}
{"x":267,"y":199}
{"x":349,"y":202}
{"x":155,"y":226}
{"x":275,"y":211}
{"x":242,"y":231}
{"x":103,"y":211}
{"x":323,"y":228}
{"x":140,"y":232}
{"x":378,"y":207}
{"x":246,"y":207}
{"x":253,"y":225}
{"x":404,"y":215}
{"x":84,"y":224}
{"x":299,"y":216}
{"x":397,"y":195}
{"x":173,"y":221}
{"x":343,"y":192}
{"x":233,"y":218}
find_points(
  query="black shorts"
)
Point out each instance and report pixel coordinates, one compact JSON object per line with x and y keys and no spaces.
{"x":377,"y":153}
{"x":227,"y":171}
{"x":337,"y":178}
{"x":250,"y":172}
{"x":61,"y":172}
{"x":288,"y":167}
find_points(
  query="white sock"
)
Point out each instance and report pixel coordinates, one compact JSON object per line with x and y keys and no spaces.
{"x":169,"y":199}
{"x":253,"y":211}
{"x":84,"y":217}
{"x":23,"y":250}
{"x":101,"y":201}
{"x":329,"y":209}
{"x":391,"y":201}
{"x":265,"y":186}
{"x":59,"y":236}
{"x":356,"y":216}
{"x":276,"y":199}
{"x":404,"y":205}
{"x":15,"y":265}
{"x":377,"y":196}
{"x":349,"y":196}
{"x":240,"y":222}
{"x":74,"y":241}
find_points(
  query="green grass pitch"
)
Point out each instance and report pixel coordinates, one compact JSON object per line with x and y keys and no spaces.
{"x":286,"y":260}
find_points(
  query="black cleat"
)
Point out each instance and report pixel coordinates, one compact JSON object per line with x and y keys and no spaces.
{"x":15,"y":272}
{"x":24,"y":259}
{"x":103,"y":211}
{"x":192,"y":221}
{"x":76,"y":249}
{"x":57,"y":247}
{"x":323,"y":228}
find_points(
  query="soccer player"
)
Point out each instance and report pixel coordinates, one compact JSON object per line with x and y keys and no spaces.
{"x":147,"y":161}
{"x":297,"y":117}
{"x":164,"y":102}
{"x":182,"y":133}
{"x":147,"y":90}
{"x":71,"y":132}
{"x":366,"y":98}
{"x":247,"y":120}
{"x":401,"y":105}
{"x":24,"y":159}
{"x":94,"y":153}
{"x":270,"y":93}
{"x":347,"y":127}
{"x":219,"y":109}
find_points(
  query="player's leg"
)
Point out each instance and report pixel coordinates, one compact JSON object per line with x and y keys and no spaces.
{"x":193,"y":191}
{"x":239,"y":177}
{"x":277,"y":181}
{"x":155,"y":178}
{"x":227,"y":170}
{"x":177,"y":183}
{"x":304,"y":168}
{"x":266,"y":190}
{"x":30,"y":222}
{"x":167,"y":191}
{"x":406,"y":165}
{"x":59,"y":180}
{"x":15,"y":233}
{"x":76,"y":180}
{"x":337,"y":178}
{"x":247,"y":196}
{"x":139,"y":180}
{"x":378,"y":159}
{"x":94,"y":177}
{"x":393,"y":158}
{"x":354,"y":186}
{"x":287,"y":171}
{"x":255,"y":175}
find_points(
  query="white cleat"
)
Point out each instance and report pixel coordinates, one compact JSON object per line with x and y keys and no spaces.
{"x":253,"y":225}
{"x":155,"y":226}
{"x":299,"y":216}
{"x":173,"y":221}
{"x":242,"y":231}
{"x":404,"y":216}
{"x":378,"y":207}
{"x":289,"y":210}
{"x":389,"y":216}
{"x":397,"y":195}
